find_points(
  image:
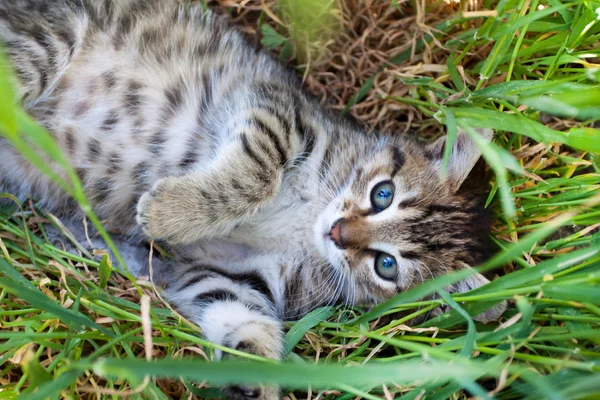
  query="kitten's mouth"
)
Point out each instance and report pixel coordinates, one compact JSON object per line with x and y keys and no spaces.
{"x":326,"y":235}
{"x":335,"y":234}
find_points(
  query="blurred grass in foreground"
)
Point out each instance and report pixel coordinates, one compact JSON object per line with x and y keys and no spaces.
{"x":309,"y":27}
{"x":72,"y":327}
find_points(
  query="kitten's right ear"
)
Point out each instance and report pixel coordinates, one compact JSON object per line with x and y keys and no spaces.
{"x":463,"y":157}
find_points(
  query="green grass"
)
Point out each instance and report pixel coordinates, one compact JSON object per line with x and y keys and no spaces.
{"x":74,"y":331}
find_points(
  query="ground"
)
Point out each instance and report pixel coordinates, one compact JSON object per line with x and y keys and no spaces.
{"x":73,"y":326}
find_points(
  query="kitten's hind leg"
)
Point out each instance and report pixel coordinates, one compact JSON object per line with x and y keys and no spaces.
{"x":236,"y":310}
{"x":246,"y":175}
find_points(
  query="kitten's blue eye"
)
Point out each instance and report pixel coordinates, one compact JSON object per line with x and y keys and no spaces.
{"x":382,"y":195}
{"x":386,"y":266}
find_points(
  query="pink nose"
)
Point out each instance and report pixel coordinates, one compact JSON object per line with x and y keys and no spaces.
{"x":335,"y":234}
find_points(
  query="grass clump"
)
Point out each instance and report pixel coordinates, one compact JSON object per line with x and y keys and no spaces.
{"x":73,"y":326}
{"x":309,"y":27}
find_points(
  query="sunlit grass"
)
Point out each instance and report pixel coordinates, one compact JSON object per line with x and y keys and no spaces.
{"x":308,"y":27}
{"x":67,"y":330}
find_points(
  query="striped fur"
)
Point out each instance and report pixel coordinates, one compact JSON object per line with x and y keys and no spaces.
{"x":172,"y":120}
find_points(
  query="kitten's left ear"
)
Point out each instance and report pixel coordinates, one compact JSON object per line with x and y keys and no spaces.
{"x":473,"y":282}
{"x":463,"y":157}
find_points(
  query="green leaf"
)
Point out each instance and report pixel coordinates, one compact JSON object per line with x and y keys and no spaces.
{"x":204,"y":393}
{"x":362,"y":92}
{"x":454,"y":75}
{"x":573,"y":326}
{"x":498,"y":159}
{"x":565,"y":14}
{"x":450,"y":139}
{"x":12,"y":273}
{"x":587,"y":18}
{"x":582,"y":104}
{"x":453,"y":317}
{"x":271,"y":39}
{"x":294,"y":375}
{"x":527,"y":310}
{"x":581,"y":387}
{"x":104,"y":270}
{"x":495,"y":57}
{"x":546,"y":26}
{"x":525,"y":277}
{"x":474,"y":388}
{"x":35,"y":372}
{"x":8,"y":393}
{"x":511,"y":27}
{"x":585,"y":139}
{"x":52,"y":388}
{"x":510,"y":90}
{"x":8,"y":122}
{"x":549,"y":44}
{"x":471,"y":330}
{"x":39,"y":300}
{"x":310,"y":320}
{"x":287,"y":51}
{"x":564,"y":291}
{"x":593,"y":74}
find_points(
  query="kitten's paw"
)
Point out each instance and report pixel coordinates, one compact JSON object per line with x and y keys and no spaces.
{"x":247,"y":392}
{"x":255,"y":393}
{"x":181,"y":210}
{"x":147,"y":216}
{"x":161,"y":213}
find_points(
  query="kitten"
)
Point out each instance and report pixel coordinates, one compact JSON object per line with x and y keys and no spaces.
{"x":171,"y":119}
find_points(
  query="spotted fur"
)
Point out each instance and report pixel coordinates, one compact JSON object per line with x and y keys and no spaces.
{"x":168,"y":111}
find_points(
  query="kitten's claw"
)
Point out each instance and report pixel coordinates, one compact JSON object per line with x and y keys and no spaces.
{"x":255,"y":393}
{"x":156,"y":214}
{"x":247,"y":392}
{"x":143,"y":217}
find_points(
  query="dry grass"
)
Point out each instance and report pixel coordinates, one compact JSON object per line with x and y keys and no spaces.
{"x":400,"y":50}
{"x":372,"y":35}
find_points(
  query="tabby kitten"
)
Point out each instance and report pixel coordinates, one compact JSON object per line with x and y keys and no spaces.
{"x":172,"y":120}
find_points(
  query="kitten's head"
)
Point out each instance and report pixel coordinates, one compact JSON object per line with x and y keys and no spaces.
{"x":400,"y":222}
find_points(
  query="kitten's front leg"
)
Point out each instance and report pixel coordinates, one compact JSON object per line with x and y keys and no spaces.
{"x":236,"y":310}
{"x":246,"y":174}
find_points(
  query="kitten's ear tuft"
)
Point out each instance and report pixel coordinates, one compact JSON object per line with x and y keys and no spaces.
{"x":463,"y":157}
{"x":473,"y":282}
